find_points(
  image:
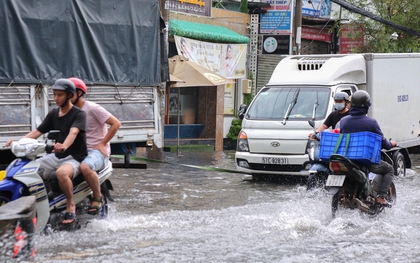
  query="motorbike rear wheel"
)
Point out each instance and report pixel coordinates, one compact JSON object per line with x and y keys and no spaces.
{"x":391,"y":197}
{"x":103,"y":213}
{"x":339,"y":201}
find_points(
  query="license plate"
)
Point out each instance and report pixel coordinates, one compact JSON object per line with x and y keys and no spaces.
{"x":272,"y":160}
{"x":335,"y":180}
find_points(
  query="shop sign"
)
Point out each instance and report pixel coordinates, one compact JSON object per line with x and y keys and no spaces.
{"x":194,"y":7}
{"x":278,"y":18}
{"x":351,"y":38}
{"x":316,"y":33}
{"x":227,"y":60}
{"x":276,"y":44}
{"x":229,"y":102}
{"x":317,"y":8}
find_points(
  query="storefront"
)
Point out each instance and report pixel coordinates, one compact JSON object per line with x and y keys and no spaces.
{"x":198,"y":107}
{"x":195,"y":102}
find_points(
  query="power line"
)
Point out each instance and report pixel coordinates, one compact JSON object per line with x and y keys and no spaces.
{"x":365,"y":13}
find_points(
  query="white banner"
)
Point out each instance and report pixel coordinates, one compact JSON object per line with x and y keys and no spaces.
{"x":228,"y":60}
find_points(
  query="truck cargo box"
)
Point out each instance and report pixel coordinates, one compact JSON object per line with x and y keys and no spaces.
{"x":115,"y":47}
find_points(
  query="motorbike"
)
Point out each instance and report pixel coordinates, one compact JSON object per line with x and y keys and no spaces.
{"x":354,"y":187}
{"x":24,"y":177}
{"x":319,"y":170}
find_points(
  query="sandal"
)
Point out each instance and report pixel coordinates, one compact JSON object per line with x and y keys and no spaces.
{"x":94,"y":209}
{"x":69,"y":216}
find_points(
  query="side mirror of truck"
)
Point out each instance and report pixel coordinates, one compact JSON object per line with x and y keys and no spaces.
{"x":241,"y":111}
{"x":312,"y":123}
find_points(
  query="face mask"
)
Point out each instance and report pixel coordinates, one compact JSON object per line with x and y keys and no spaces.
{"x":339,"y":106}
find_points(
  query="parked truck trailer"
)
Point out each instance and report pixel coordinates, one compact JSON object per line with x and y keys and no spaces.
{"x":275,"y":128}
{"x":116,"y":47}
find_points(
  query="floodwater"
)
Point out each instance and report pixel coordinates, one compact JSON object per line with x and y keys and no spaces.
{"x":174,"y":213}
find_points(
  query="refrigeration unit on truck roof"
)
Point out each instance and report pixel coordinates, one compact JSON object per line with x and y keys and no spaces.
{"x":319,"y":70}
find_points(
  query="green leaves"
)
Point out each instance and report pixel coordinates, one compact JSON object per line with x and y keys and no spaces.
{"x":377,"y":36}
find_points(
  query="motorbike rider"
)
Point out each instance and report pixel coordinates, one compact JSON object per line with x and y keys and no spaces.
{"x":97,"y":138}
{"x":70,"y":146}
{"x":358,"y":121}
{"x":341,"y":102}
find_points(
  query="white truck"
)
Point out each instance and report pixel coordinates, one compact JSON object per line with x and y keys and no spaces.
{"x":275,"y":128}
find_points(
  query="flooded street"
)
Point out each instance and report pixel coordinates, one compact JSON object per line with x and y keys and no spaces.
{"x":174,"y":213}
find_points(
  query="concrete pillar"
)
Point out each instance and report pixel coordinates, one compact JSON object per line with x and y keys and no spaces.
{"x":220,"y":104}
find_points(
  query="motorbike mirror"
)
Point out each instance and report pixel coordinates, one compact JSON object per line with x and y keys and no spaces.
{"x":53,"y":134}
{"x":241,"y":111}
{"x":312,"y":123}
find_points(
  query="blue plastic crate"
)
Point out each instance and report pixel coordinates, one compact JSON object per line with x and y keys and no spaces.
{"x":185,"y":131}
{"x":364,"y":147}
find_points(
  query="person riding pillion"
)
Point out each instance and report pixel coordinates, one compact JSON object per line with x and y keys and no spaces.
{"x":98,"y":136}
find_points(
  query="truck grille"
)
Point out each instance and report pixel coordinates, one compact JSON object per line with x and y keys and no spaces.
{"x":275,"y":167}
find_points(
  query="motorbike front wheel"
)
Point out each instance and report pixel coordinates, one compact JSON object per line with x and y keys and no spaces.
{"x":316,"y":180}
{"x":341,"y":199}
{"x":5,"y":197}
{"x":22,"y":241}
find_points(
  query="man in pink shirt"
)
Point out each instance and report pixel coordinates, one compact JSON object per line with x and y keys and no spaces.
{"x":97,"y":140}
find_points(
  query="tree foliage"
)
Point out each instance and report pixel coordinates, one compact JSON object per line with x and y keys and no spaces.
{"x":377,"y":36}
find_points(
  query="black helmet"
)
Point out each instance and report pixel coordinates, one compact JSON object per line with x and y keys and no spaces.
{"x":341,"y":96}
{"x":360,"y":99}
{"x":65,"y":84}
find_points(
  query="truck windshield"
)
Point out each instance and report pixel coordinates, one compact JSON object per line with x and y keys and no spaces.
{"x":274,"y":102}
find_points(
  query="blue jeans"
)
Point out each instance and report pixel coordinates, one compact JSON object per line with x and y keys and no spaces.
{"x":96,"y":160}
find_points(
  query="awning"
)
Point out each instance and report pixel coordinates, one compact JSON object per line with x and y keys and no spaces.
{"x":193,"y":75}
{"x":174,"y":79}
{"x":205,"y":32}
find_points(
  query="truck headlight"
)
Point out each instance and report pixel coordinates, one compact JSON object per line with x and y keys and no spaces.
{"x":242,"y":142}
{"x":310,"y":149}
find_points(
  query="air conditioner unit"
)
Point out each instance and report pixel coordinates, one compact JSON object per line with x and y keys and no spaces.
{"x":246,"y":86}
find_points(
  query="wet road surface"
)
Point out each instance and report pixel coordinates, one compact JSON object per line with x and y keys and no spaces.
{"x":173,"y":213}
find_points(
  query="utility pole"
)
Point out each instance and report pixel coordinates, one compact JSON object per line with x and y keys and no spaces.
{"x":297,"y":28}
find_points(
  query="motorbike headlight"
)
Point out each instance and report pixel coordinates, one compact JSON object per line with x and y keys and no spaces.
{"x":17,"y":149}
{"x":311,"y":151}
{"x":26,"y":147}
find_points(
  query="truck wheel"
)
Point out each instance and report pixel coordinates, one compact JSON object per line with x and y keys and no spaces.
{"x":399,"y":164}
